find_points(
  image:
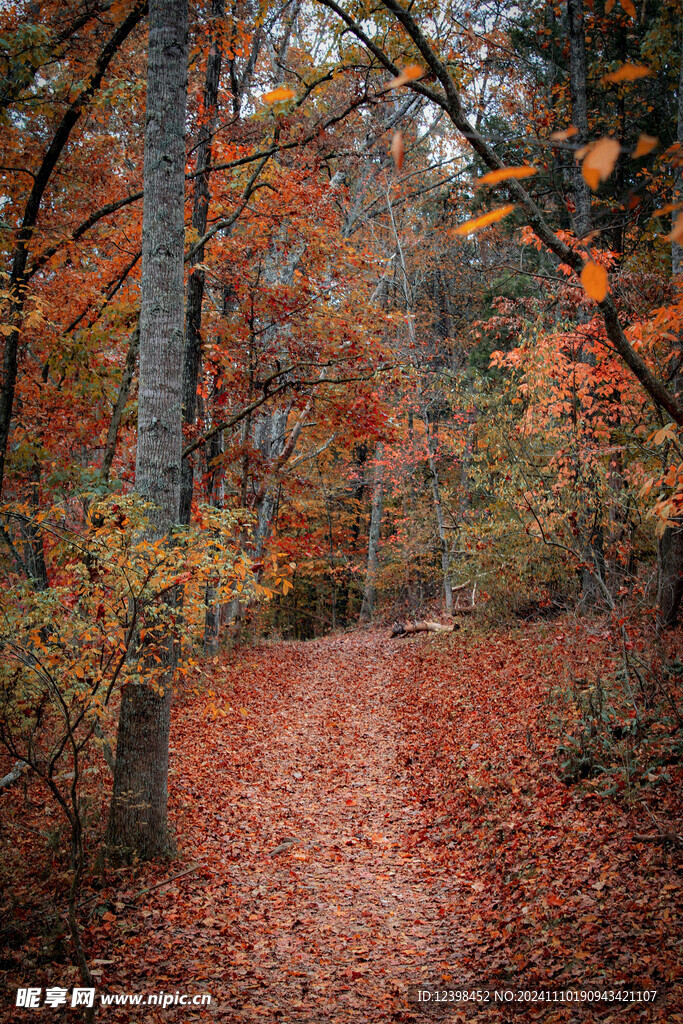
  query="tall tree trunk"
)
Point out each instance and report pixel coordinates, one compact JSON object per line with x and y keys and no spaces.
{"x":370,"y":592}
{"x":195,"y":285}
{"x":137,"y":825}
{"x":670,"y":547}
{"x":591,"y":531}
{"x":577,"y":87}
{"x":676,"y":249}
{"x":440,"y":521}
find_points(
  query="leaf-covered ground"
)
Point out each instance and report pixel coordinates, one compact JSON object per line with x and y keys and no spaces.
{"x":424,"y":843}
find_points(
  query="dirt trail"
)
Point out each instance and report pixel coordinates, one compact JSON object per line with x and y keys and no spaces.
{"x":343,"y":924}
{"x":424,"y":842}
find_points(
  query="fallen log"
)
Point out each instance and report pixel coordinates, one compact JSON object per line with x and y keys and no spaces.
{"x":426,"y":626}
{"x":14,"y":775}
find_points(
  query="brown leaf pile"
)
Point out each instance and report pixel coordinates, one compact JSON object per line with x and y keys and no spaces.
{"x":372,"y":817}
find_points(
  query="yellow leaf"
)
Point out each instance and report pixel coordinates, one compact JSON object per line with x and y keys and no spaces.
{"x":676,"y":235}
{"x":409,"y":74}
{"x":627,"y":73}
{"x":629,"y":7}
{"x":487,"y":218}
{"x":277,"y":95}
{"x":646,"y":143}
{"x":504,"y":173}
{"x":397,"y":150}
{"x":599,"y":162}
{"x":565,"y":134}
{"x":595,"y":281}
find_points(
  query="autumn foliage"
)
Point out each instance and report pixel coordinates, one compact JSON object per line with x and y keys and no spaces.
{"x":432,"y":371}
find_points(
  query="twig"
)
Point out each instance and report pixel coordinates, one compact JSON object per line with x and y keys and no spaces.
{"x":158,"y":885}
{"x":661,"y":837}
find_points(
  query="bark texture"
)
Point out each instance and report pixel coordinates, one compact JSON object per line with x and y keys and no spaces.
{"x":670,"y":547}
{"x":577,"y":86}
{"x":670,"y":590}
{"x":676,"y":249}
{"x":370,"y":592}
{"x":137,"y":827}
{"x":195,"y":285}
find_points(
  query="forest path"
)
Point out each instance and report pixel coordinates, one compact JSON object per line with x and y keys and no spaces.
{"x":344,"y":923}
{"x":435,"y":846}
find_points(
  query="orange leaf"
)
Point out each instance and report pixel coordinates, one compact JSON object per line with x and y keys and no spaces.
{"x":486,"y":218}
{"x":493,"y":177}
{"x":599,"y":162}
{"x":646,"y":143}
{"x":409,"y":74}
{"x":629,"y":7}
{"x":609,"y":6}
{"x":595,"y":281}
{"x":277,"y":95}
{"x":565,"y":134}
{"x":669,"y":208}
{"x":397,"y":150}
{"x":676,"y":234}
{"x":591,"y":177}
{"x":627,"y":73}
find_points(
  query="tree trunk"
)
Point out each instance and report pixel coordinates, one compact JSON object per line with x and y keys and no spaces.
{"x":440,"y":522}
{"x":195,"y":285}
{"x":370,"y":592}
{"x":670,"y":547}
{"x":137,"y":827}
{"x":670,"y":590}
{"x":676,"y":249}
{"x":577,"y":86}
{"x":591,"y":531}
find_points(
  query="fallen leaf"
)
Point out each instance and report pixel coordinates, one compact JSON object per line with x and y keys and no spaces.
{"x":599,"y":162}
{"x":504,"y":173}
{"x":564,"y":134}
{"x":676,"y":234}
{"x":409,"y":74}
{"x":669,"y":208}
{"x":646,"y":143}
{"x":486,"y":218}
{"x":627,"y":73}
{"x":595,"y":281}
{"x":397,"y":150}
{"x":277,"y":95}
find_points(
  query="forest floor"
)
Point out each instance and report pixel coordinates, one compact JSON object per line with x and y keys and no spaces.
{"x":363,"y":823}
